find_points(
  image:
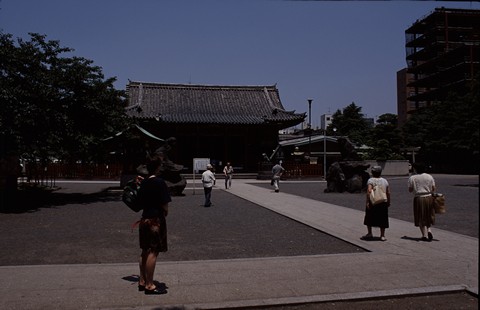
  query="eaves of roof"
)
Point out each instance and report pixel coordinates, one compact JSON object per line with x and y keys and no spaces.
{"x":201,"y":104}
{"x":307,"y":140}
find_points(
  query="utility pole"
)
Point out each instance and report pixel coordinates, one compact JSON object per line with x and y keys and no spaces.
{"x":309,"y":127}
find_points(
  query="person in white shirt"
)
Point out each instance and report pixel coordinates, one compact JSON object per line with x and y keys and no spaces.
{"x":422,"y":185}
{"x":228,"y":172}
{"x":208,"y":180}
{"x":376,"y":215}
{"x":277,"y":172}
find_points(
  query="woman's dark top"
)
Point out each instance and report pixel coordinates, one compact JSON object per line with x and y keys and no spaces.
{"x":153,"y":194}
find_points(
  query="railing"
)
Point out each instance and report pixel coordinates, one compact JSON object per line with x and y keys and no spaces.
{"x":86,"y":171}
{"x":47,"y":174}
{"x":38,"y":173}
{"x":294,"y":170}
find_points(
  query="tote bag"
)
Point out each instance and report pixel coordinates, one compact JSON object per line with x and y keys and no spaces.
{"x":439,"y":203}
{"x":377,"y":195}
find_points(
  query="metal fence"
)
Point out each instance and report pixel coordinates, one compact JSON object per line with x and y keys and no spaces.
{"x":293,"y":170}
{"x":48,"y":173}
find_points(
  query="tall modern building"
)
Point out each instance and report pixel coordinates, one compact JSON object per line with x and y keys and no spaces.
{"x":443,"y":56}
{"x":325,"y":121}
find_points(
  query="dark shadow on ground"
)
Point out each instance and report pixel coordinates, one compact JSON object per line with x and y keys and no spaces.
{"x":440,"y":301}
{"x":418,"y":239}
{"x":372,"y":239}
{"x":135,"y":278}
{"x":32,"y":199}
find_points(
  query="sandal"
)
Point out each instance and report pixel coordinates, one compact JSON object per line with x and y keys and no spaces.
{"x":367,"y":237}
{"x":155,"y":291}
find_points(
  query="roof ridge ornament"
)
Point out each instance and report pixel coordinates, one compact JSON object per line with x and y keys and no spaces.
{"x":138,"y":105}
{"x":270,"y":102}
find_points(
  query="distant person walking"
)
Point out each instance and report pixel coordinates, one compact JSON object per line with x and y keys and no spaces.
{"x":422,"y":185}
{"x":376,"y":214}
{"x":228,"y":172}
{"x":154,"y":197}
{"x":277,"y":172}
{"x":208,"y":180}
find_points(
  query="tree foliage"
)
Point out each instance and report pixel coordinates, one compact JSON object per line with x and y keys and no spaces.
{"x":54,"y":105}
{"x":385,"y":138}
{"x":453,"y":124}
{"x":349,"y":122}
{"x":448,"y":132}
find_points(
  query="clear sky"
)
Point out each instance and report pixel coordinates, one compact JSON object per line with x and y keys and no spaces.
{"x":334,"y":52}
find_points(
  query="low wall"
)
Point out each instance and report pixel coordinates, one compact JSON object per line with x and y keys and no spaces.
{"x":391,"y":167}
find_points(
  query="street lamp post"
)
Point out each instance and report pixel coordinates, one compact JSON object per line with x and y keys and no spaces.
{"x":325,"y":153}
{"x":325,"y":150}
{"x":309,"y":127}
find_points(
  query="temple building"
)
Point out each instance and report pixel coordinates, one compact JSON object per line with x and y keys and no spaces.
{"x":234,"y":124}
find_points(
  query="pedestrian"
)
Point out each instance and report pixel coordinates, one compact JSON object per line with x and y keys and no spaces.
{"x":228,"y":172}
{"x":277,"y":172}
{"x":376,"y":214}
{"x":422,"y":185}
{"x":154,"y":197}
{"x":208,"y":180}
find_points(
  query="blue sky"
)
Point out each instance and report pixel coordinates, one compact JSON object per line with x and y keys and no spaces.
{"x":335,"y":52}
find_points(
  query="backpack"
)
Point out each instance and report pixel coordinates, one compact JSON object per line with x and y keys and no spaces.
{"x":130,"y":195}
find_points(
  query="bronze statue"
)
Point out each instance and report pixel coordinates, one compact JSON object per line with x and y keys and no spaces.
{"x":350,"y":173}
{"x":170,"y":171}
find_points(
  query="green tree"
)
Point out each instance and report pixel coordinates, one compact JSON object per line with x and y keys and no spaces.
{"x":448,"y":132}
{"x":351,"y":123}
{"x":385,"y":138}
{"x":54,"y":105}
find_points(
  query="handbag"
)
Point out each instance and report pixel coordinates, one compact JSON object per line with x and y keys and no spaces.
{"x":439,"y":203}
{"x":377,"y":195}
{"x":130,"y":195}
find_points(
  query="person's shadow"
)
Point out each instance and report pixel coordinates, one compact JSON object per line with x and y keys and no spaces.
{"x":134,"y":280}
{"x":417,"y":239}
{"x":371,"y":238}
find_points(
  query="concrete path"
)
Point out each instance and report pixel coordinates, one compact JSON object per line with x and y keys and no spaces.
{"x":399,"y":266}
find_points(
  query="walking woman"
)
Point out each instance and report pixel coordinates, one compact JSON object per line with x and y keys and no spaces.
{"x":422,"y":185}
{"x":376,"y":215}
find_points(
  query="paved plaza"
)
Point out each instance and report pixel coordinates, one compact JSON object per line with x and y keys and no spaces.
{"x":253,"y":248}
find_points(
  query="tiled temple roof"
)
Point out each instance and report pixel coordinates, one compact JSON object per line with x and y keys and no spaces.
{"x":205,"y":104}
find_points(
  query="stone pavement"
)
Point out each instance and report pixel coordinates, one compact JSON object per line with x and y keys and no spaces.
{"x":399,"y":266}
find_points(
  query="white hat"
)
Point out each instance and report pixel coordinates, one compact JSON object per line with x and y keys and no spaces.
{"x":209,"y":166}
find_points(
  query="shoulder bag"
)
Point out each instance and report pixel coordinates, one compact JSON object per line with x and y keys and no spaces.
{"x":377,"y":195}
{"x":439,"y":203}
